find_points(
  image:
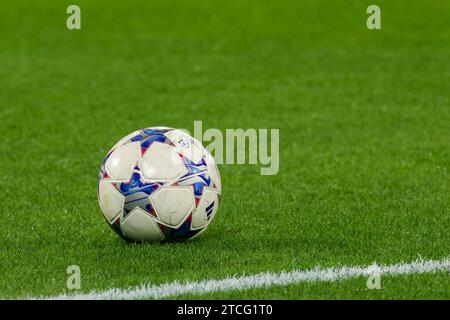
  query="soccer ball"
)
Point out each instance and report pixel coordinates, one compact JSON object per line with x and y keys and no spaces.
{"x":159,"y":184}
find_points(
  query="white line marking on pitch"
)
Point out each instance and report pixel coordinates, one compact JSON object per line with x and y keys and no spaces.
{"x":260,"y":280}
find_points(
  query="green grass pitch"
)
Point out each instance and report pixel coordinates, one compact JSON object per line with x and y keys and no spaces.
{"x":364,"y":119}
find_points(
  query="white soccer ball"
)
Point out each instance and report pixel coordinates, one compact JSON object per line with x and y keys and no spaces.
{"x":159,"y":184}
